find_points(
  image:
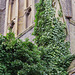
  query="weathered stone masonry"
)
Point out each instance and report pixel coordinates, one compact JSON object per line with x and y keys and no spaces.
{"x":2,"y":15}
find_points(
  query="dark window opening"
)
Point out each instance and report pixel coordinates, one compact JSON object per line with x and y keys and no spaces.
{"x":28,"y":11}
{"x":28,"y":17}
{"x":12,"y":2}
{"x":12,"y":24}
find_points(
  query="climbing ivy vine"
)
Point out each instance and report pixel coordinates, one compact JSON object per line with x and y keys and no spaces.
{"x":50,"y":38}
{"x":49,"y":56}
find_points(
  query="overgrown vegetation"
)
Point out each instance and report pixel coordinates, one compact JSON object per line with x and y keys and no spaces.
{"x":19,"y":58}
{"x":50,"y":55}
{"x":50,"y":37}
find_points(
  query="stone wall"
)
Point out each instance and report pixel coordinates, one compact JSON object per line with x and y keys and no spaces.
{"x":2,"y":15}
{"x":2,"y":4}
{"x":69,"y":14}
{"x":28,"y":34}
{"x":70,"y":22}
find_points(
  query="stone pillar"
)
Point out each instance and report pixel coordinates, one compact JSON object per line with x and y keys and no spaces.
{"x":6,"y":17}
{"x":16,"y":21}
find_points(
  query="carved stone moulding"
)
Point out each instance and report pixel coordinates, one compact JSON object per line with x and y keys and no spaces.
{"x":71,"y":69}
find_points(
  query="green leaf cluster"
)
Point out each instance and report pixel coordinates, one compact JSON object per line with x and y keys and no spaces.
{"x":19,"y":57}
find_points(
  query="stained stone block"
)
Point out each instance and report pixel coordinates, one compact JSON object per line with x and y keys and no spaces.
{"x":2,"y":4}
{"x":68,"y":8}
{"x":73,"y":74}
{"x":2,"y":15}
{"x":71,"y":69}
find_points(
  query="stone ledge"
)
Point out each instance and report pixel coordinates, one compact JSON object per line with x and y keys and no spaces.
{"x":24,"y":32}
{"x":71,"y":69}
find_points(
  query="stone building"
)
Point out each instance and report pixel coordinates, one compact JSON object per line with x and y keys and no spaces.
{"x":20,"y":16}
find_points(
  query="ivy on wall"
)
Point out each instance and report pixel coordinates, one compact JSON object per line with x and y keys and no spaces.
{"x":50,"y":55}
{"x":50,"y":38}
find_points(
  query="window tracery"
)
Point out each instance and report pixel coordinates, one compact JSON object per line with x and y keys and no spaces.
{"x":20,"y":15}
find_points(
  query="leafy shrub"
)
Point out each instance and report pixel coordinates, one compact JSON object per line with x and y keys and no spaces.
{"x":18,"y":57}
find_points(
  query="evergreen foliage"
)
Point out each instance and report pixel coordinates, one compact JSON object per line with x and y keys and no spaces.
{"x":50,"y":55}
